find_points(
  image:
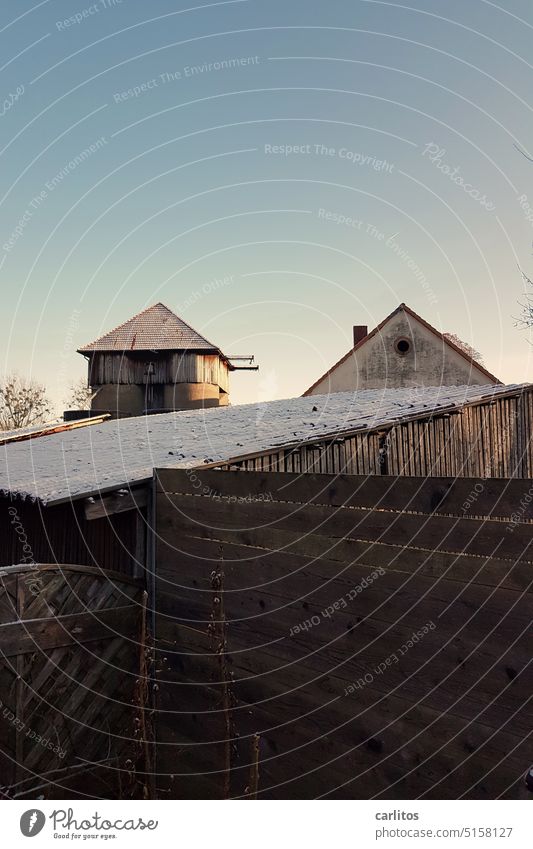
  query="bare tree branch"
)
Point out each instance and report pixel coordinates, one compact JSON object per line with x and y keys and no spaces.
{"x":526,"y":317}
{"x":80,"y":396}
{"x":23,"y":402}
{"x":464,"y":347}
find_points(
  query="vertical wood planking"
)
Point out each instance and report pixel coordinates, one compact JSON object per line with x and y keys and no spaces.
{"x":486,"y":439}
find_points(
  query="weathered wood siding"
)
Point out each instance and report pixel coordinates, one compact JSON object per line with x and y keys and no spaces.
{"x":177,"y":367}
{"x":326,"y":579}
{"x":63,"y":534}
{"x":482,"y":440}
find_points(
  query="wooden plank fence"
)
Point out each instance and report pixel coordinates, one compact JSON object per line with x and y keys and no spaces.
{"x":486,"y":439}
{"x":72,"y":669}
{"x":367,"y":635}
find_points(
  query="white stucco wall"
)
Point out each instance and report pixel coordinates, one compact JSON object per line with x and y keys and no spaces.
{"x":377,"y":364}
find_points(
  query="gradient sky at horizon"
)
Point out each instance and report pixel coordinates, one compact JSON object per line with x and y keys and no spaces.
{"x":183,"y":200}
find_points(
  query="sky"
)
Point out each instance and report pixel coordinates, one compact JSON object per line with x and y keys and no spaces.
{"x":274,"y":172}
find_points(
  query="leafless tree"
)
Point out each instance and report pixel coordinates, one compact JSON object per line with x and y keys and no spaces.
{"x":80,"y":396}
{"x":23,"y":402}
{"x":525,"y":319}
{"x":464,"y":347}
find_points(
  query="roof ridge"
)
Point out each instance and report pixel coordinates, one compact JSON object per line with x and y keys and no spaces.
{"x":171,"y":323}
{"x":455,"y":347}
{"x":403,"y":306}
{"x":186,"y":323}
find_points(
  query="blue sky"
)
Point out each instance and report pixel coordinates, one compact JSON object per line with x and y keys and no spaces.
{"x":253,"y":165}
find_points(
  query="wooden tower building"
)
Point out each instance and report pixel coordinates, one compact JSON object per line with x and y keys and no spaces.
{"x":156,"y":362}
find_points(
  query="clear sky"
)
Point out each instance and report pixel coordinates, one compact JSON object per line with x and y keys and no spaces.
{"x":275,"y":172}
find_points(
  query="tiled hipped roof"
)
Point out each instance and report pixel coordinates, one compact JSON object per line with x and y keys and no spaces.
{"x":155,"y":329}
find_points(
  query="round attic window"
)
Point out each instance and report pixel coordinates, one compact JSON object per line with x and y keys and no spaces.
{"x":403,"y":346}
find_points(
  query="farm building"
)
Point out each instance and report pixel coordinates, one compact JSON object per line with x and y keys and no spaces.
{"x":156,"y":362}
{"x":404,"y":350}
{"x":277,"y":555}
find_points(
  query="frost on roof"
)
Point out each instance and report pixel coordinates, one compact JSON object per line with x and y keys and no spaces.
{"x":125,"y":451}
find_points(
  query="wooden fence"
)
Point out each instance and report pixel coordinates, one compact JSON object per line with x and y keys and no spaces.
{"x":361,"y":636}
{"x":72,"y":683}
{"x":491,"y":438}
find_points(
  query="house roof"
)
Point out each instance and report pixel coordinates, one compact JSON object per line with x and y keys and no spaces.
{"x":123,"y":452}
{"x":155,"y":329}
{"x":403,"y":307}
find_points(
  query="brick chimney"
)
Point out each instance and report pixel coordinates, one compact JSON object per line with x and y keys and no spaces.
{"x":359,"y":332}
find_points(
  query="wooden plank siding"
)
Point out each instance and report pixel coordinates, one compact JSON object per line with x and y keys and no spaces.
{"x":489,"y":439}
{"x":64,"y":534}
{"x":125,"y":368}
{"x":325,"y":580}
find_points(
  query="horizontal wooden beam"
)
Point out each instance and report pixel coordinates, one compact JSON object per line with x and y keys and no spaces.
{"x":205,"y":516}
{"x":297,"y":564}
{"x":74,"y":629}
{"x":38,"y":568}
{"x":119,"y":501}
{"x":494,"y":497}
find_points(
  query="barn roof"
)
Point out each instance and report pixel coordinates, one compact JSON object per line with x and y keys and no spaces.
{"x":125,"y":451}
{"x":155,"y":329}
{"x":474,"y":364}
